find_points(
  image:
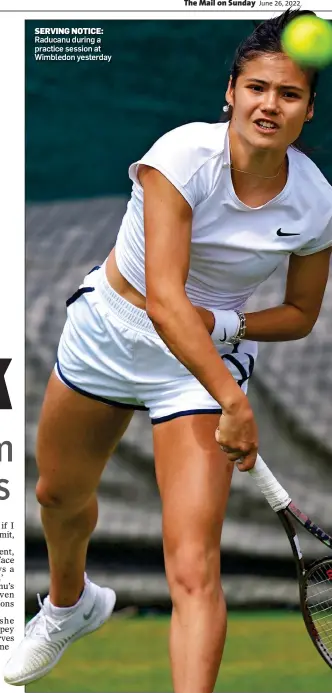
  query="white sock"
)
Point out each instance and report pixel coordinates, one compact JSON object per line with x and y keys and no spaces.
{"x":64,"y":610}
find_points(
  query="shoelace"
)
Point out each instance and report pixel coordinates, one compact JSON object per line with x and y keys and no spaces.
{"x":43,"y":621}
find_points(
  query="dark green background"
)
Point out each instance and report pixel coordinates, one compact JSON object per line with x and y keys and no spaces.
{"x":85,"y":122}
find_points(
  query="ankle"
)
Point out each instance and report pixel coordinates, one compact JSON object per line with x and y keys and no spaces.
{"x":63,"y":595}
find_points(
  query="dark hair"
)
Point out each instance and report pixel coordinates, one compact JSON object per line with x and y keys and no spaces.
{"x":266,"y":38}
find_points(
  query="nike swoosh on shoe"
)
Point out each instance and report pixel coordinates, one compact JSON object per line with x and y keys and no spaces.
{"x":89,"y":614}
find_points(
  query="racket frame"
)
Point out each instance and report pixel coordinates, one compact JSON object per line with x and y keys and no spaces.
{"x":283,"y":506}
{"x":303,"y":573}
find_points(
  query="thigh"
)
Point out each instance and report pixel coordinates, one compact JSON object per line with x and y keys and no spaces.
{"x":169,"y":390}
{"x":194,"y":478}
{"x":76,"y":436}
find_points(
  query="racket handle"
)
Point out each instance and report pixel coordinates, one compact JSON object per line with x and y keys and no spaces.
{"x":275,"y":494}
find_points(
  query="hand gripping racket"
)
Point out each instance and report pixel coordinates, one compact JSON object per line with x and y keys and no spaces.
{"x":315,"y":580}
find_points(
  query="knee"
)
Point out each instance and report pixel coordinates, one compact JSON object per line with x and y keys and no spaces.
{"x":194,"y":571}
{"x":48,"y":496}
{"x":58,"y":498}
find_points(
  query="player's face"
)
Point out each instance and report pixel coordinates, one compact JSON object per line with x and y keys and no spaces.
{"x":270,"y":101}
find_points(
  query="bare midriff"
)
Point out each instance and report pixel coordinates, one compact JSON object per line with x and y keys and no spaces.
{"x":121,"y":285}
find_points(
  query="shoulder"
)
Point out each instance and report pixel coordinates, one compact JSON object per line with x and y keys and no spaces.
{"x":312,"y":195}
{"x":311,"y":182}
{"x":206,"y":139}
{"x":184,"y":150}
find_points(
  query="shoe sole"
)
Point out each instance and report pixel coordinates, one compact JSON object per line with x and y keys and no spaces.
{"x":94,"y":625}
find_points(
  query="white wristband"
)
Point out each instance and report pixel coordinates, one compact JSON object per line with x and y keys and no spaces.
{"x":226,"y":326}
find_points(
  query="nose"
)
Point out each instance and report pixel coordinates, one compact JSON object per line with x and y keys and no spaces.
{"x":271,"y":102}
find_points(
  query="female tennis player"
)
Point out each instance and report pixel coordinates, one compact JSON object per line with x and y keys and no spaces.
{"x":161,"y":325}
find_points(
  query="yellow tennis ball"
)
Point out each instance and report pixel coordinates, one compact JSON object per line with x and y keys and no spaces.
{"x":308,"y":41}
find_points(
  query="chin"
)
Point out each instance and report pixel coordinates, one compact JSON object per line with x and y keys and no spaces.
{"x":266,"y":142}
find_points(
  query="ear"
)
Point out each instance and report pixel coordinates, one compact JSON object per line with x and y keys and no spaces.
{"x":310,"y":112}
{"x":229,"y":96}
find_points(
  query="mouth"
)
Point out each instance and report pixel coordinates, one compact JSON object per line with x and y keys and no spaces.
{"x":266,"y":126}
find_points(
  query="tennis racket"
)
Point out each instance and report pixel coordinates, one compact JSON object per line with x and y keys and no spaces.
{"x":315,"y":580}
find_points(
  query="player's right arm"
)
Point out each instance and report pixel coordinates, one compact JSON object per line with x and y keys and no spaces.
{"x":167,"y":226}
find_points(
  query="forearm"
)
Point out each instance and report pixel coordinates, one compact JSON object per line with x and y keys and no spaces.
{"x":279,"y":324}
{"x":184,"y":332}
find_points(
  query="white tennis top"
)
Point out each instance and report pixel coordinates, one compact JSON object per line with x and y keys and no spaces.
{"x":234,"y":247}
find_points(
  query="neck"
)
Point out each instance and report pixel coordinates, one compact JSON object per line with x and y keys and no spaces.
{"x":259,"y":163}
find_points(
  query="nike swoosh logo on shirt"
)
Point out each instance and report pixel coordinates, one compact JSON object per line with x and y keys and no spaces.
{"x":224,"y":339}
{"x":280,"y":233}
{"x":89,"y":614}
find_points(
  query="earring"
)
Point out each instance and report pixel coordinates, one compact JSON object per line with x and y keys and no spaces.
{"x":308,"y":120}
{"x":225,"y":108}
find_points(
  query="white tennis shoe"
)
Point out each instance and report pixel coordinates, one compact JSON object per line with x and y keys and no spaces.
{"x":48,"y":635}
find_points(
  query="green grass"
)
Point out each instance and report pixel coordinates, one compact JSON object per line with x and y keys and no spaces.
{"x":265,"y":653}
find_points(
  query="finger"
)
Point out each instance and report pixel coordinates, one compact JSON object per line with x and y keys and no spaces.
{"x":219,"y":437}
{"x":247,"y":462}
{"x":235,"y":455}
{"x":228,"y":449}
{"x":231,"y":453}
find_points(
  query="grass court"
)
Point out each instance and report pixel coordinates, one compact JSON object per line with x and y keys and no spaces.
{"x":265,"y":653}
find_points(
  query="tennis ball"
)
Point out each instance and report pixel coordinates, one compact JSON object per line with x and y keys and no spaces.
{"x":308,"y":41}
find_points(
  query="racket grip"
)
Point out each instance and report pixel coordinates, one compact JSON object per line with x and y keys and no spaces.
{"x":275,"y":494}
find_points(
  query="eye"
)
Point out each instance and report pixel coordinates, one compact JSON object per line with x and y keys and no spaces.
{"x":255,"y":87}
{"x":291,"y":95}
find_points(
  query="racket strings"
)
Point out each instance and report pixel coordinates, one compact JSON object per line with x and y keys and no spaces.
{"x":319,"y":602}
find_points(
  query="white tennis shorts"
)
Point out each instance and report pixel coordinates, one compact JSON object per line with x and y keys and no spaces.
{"x":110,"y":351}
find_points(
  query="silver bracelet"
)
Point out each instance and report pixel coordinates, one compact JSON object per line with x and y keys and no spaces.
{"x":241,"y":331}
